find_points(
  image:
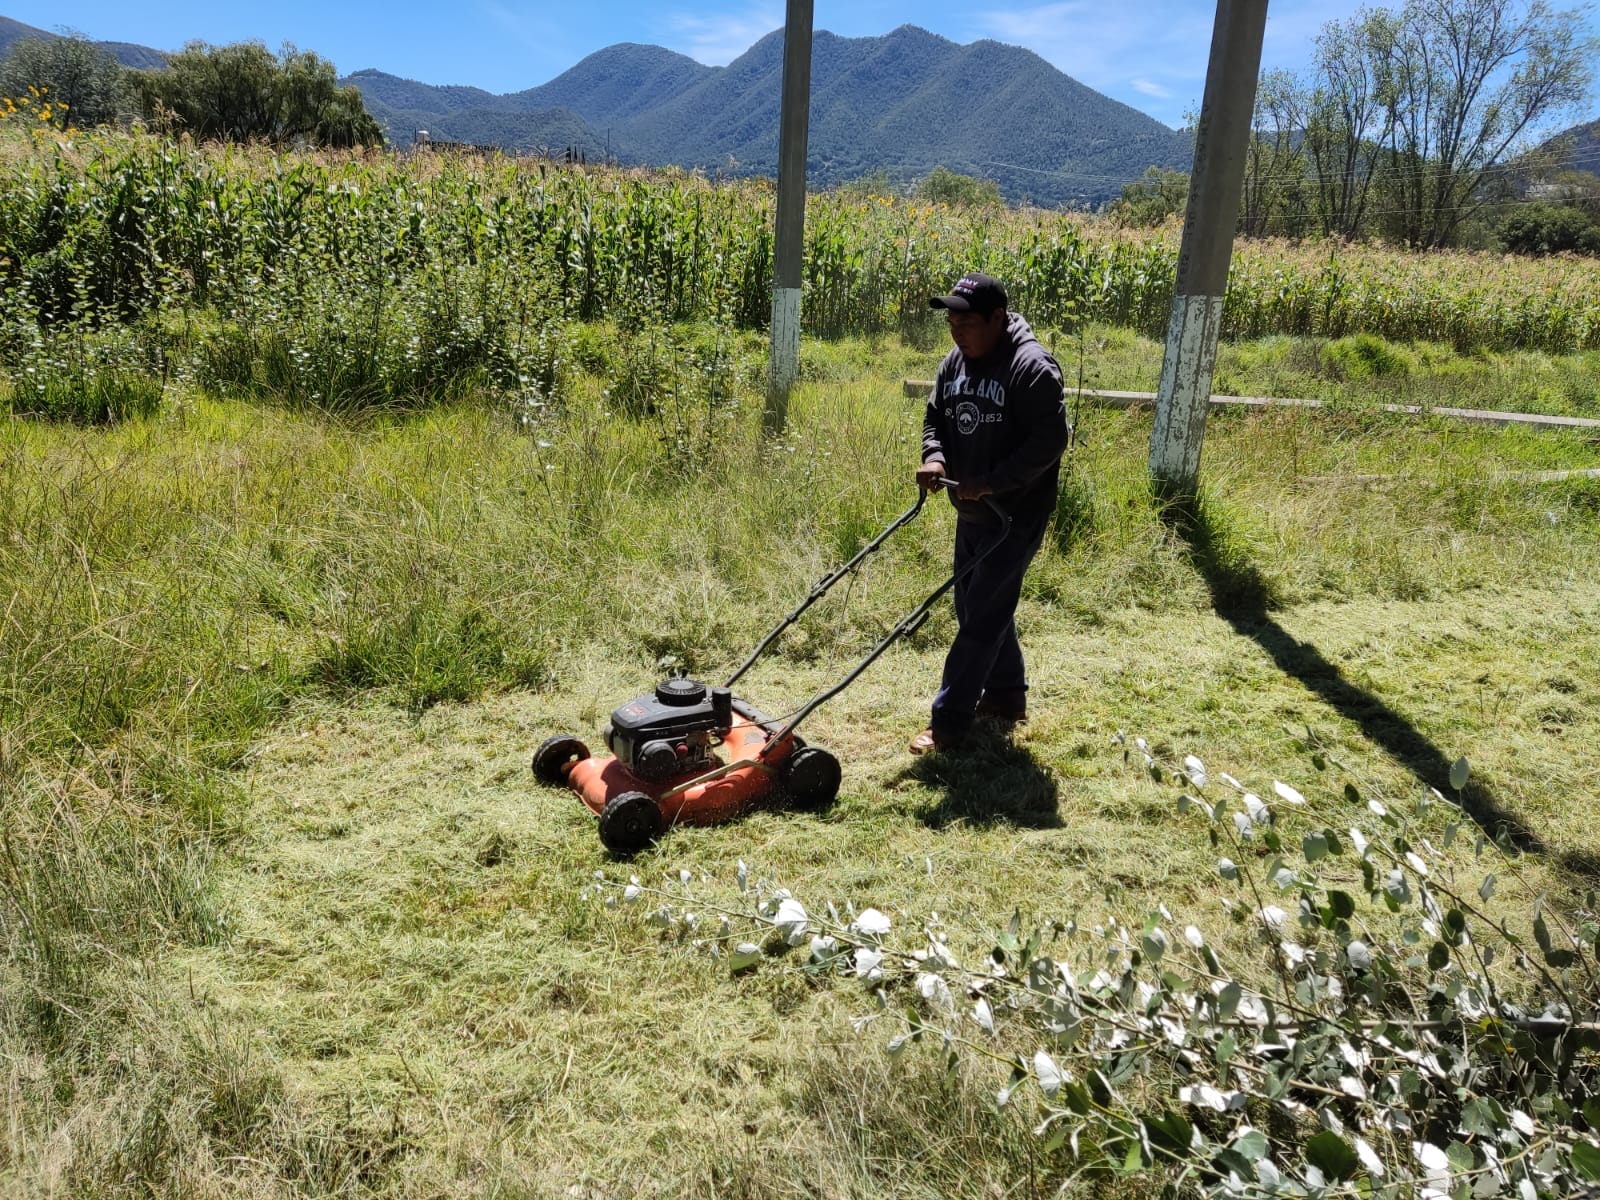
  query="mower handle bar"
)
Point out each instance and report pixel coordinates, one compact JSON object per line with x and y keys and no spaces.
{"x":912,"y":622}
{"x":822,"y":587}
{"x":907,"y":626}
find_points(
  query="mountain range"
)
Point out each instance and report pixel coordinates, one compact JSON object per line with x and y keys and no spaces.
{"x":140,"y":58}
{"x":900,"y":104}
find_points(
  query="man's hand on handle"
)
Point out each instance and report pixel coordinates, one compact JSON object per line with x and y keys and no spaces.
{"x":930,"y":476}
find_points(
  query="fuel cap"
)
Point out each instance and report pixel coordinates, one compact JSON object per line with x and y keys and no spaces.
{"x":681,"y":693}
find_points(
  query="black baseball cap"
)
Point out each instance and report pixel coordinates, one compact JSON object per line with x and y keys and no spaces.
{"x":982,"y":294}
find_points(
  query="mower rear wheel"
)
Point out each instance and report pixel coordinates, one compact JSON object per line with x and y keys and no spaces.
{"x":811,"y":777}
{"x":630,"y":822}
{"x":555,"y":756}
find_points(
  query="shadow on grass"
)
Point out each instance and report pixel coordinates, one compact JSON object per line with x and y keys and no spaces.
{"x":1245,"y":598}
{"x":992,"y":781}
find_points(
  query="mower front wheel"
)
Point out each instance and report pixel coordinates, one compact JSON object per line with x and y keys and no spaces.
{"x":555,"y":757}
{"x":811,"y":777}
{"x":630,"y":822}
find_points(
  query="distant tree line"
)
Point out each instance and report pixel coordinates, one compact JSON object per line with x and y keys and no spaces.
{"x":240,"y":92}
{"x":1406,"y":128}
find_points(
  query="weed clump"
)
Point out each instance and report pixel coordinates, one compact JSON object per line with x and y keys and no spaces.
{"x":1364,"y":356}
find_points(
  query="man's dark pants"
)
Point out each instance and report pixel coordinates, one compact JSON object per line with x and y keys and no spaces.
{"x":985,"y":660}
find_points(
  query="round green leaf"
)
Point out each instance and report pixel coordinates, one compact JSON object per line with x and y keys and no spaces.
{"x":1251,"y":1145}
{"x":1332,"y":1155}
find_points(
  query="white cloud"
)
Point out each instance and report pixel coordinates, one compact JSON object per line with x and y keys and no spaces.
{"x":718,"y":40}
{"x":1148,"y":88}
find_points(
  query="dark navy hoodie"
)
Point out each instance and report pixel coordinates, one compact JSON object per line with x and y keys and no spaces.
{"x":1000,"y":420}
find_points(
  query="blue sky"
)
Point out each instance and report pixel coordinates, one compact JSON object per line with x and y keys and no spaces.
{"x":1147,"y":53}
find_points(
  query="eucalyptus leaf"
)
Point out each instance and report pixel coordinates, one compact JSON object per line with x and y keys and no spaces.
{"x":745,"y":955}
{"x":1459,"y":773}
{"x":1586,"y":1159}
{"x":1047,"y":1073}
{"x":1251,"y":1145}
{"x":983,"y":1014}
{"x":1203,"y":1095}
{"x":1228,"y":1001}
{"x":790,"y":921}
{"x":1170,"y":1130}
{"x":1076,"y":1097}
{"x":1332,"y":1155}
{"x":1271,"y":1178}
{"x":1433,"y":1159}
{"x":871,"y":923}
{"x":1286,"y":793}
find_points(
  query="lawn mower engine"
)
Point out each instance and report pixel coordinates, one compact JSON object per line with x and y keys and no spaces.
{"x":671,"y":732}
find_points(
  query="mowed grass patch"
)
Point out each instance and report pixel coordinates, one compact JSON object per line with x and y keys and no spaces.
{"x":411,"y":937}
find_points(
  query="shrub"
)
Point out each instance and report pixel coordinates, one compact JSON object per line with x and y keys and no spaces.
{"x":944,"y":186}
{"x":1152,"y":198}
{"x":1550,"y":229}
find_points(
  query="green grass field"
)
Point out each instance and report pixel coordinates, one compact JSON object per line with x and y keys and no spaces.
{"x":287,"y":915}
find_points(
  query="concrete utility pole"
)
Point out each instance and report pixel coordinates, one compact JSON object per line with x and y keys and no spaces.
{"x":795,"y":123}
{"x":1221,"y":142}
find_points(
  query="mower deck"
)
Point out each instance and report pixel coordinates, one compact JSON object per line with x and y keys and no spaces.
{"x":700,"y":797}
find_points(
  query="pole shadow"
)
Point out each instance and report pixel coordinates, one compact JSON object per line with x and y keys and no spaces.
{"x":992,"y":781}
{"x":1244,"y":598}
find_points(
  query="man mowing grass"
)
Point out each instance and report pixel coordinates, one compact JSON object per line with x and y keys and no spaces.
{"x":996,"y":424}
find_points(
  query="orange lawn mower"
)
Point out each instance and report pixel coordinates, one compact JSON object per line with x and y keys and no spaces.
{"x":664,"y":769}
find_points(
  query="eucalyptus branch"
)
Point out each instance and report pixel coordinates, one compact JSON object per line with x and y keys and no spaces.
{"x":1451,"y":1049}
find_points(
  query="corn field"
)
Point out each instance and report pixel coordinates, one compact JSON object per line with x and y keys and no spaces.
{"x":349,"y":281}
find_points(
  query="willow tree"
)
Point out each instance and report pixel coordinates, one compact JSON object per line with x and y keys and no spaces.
{"x":244,"y":92}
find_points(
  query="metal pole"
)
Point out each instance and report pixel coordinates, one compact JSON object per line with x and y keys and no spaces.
{"x":794,"y":126}
{"x":1222,"y":140}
